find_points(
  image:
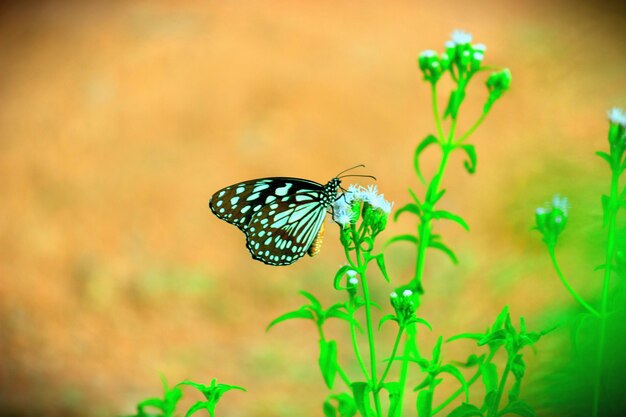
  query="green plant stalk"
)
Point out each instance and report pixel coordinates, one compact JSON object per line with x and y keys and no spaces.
{"x":569,"y":288}
{"x":368,"y":317}
{"x":435,"y":105}
{"x":610,"y":253}
{"x":493,"y":411}
{"x":473,"y":128}
{"x":460,"y":391}
{"x":391,"y":358}
{"x":357,"y":353}
{"x":404,"y":369}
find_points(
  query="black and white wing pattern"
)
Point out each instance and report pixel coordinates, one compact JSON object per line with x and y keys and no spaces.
{"x":280,"y":216}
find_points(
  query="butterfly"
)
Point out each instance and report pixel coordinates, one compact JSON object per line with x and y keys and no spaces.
{"x":282,"y":217}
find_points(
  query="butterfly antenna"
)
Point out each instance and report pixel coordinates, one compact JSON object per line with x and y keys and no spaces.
{"x":362,"y":176}
{"x":349,"y":169}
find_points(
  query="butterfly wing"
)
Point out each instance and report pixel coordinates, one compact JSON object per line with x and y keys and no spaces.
{"x":279,"y":216}
{"x":282,"y":232}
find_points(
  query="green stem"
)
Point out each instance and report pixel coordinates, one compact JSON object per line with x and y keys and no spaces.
{"x":409,"y":342}
{"x":493,"y":412}
{"x":473,"y":128}
{"x":608,"y":267}
{"x":391,"y":358}
{"x":569,"y":288}
{"x":344,"y":376}
{"x":433,"y":93}
{"x":368,"y":318}
{"x":357,"y":352}
{"x":461,"y":390}
{"x":424,"y":229}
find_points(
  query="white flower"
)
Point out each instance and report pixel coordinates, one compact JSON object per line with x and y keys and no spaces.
{"x":407,"y":293}
{"x":540,"y":211}
{"x":393,"y":295}
{"x":428,"y":53}
{"x":460,"y":37}
{"x":353,"y":281}
{"x":369,"y":194}
{"x":617,"y":115}
{"x":478,"y":56}
{"x":560,"y":203}
{"x":479,"y":47}
{"x":351,"y":273}
{"x":380,"y":203}
{"x":450,"y":44}
{"x":342,"y":215}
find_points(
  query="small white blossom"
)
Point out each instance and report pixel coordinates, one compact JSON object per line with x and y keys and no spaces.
{"x":479,"y":47}
{"x":380,"y":203}
{"x":478,"y":56}
{"x":369,"y":194}
{"x":460,"y":37}
{"x":617,"y":115}
{"x":342,"y":216}
{"x":351,"y":273}
{"x":540,"y":211}
{"x":393,"y":295}
{"x":353,"y":281}
{"x":561,"y":203}
{"x":450,"y":44}
{"x":428,"y":53}
{"x":407,"y":293}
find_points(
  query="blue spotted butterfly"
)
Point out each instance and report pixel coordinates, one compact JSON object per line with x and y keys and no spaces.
{"x":281,"y":217}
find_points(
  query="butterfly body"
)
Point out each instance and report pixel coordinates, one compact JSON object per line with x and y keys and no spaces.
{"x":282,"y":217}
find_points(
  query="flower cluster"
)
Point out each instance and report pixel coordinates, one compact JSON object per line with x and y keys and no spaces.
{"x":364,"y":203}
{"x":460,"y":57}
{"x":359,"y":200}
{"x":497,"y":83}
{"x":552,"y":218}
{"x":404,"y":306}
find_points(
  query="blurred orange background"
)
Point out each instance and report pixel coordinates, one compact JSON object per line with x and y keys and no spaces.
{"x":118,"y":120}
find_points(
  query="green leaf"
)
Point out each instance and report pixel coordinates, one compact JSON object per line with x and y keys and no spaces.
{"x":466,"y":410}
{"x":302,"y":313}
{"x":494,"y":339}
{"x":419,"y":320}
{"x":336,"y":311}
{"x":472,"y":360}
{"x":497,"y":325}
{"x":328,"y":361}
{"x":424,"y":403}
{"x":490,"y":400}
{"x":360,"y":391}
{"x":380,"y":261}
{"x":471,"y":336}
{"x":345,"y":406}
{"x":394,"y":390}
{"x":518,"y":367}
{"x":201,"y":405}
{"x":426,"y":381}
{"x":339,"y":275}
{"x":408,"y":208}
{"x":443,"y":214}
{"x":415,"y":198}
{"x":489,"y":375}
{"x":437,"y":350}
{"x":387,"y":318}
{"x":425,"y":143}
{"x":403,"y":238}
{"x":606,"y":157}
{"x":440,"y":246}
{"x":518,"y":408}
{"x":470,"y":164}
{"x":315,"y":304}
{"x":452,"y":370}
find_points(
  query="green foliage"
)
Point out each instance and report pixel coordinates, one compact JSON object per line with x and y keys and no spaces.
{"x":166,"y":406}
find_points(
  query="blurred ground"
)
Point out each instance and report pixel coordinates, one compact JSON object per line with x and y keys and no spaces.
{"x":119,"y":119}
